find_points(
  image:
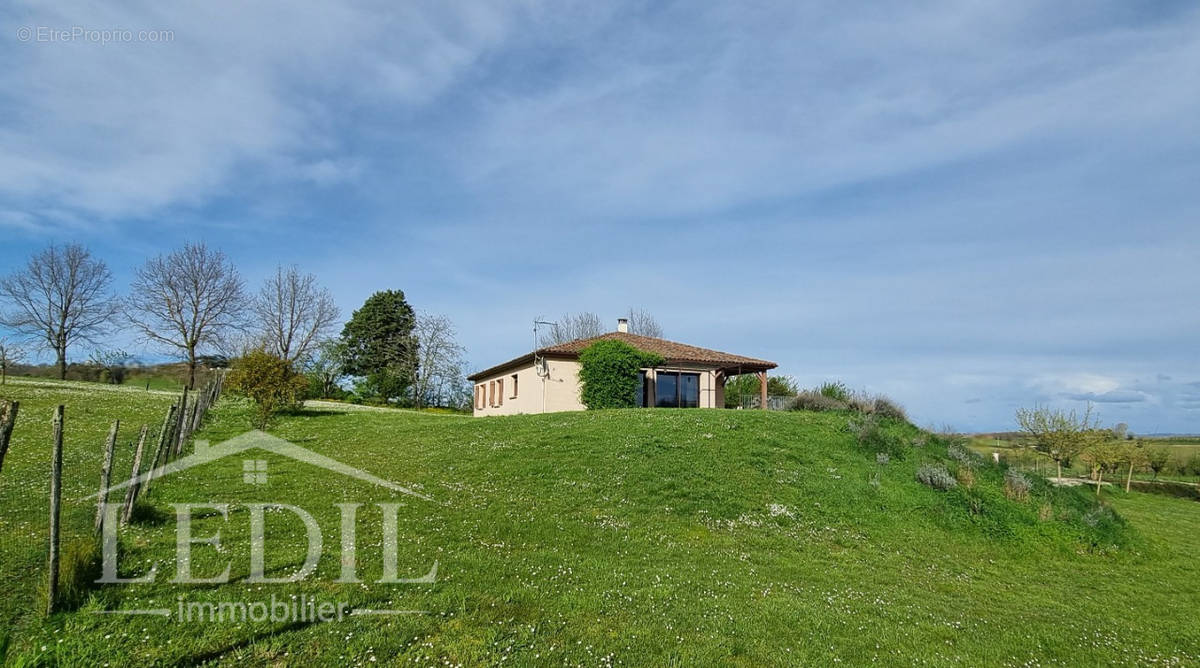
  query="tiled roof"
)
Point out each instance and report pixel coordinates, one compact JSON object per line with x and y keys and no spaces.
{"x":671,"y":351}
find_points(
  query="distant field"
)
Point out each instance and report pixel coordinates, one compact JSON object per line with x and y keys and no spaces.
{"x":1022,"y":455}
{"x":660,"y":537}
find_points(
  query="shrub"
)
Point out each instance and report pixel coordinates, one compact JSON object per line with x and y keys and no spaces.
{"x":1016,"y":485}
{"x":834,"y":390}
{"x":1046,"y":512}
{"x":965,"y":477}
{"x":935,"y":476}
{"x":861,"y":404}
{"x":809,"y":400}
{"x":887,"y":408}
{"x":268,"y":381}
{"x":608,"y":372}
{"x":960,"y":454}
{"x":1193,"y":465}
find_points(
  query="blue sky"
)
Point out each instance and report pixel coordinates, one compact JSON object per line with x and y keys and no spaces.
{"x":970,"y":206}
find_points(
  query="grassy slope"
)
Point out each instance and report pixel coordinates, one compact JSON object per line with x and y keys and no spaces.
{"x":640,"y":537}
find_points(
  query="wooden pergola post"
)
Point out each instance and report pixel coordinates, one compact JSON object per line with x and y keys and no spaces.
{"x":762,"y":389}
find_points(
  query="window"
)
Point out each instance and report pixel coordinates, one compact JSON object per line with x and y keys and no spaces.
{"x":666,"y":393}
{"x":674,"y":389}
{"x":689,"y":390}
{"x":500,"y":392}
{"x":514,"y":387}
{"x":492,"y":393}
{"x":479,"y":396}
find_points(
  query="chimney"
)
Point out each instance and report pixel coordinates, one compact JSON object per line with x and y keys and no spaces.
{"x":623,"y":325}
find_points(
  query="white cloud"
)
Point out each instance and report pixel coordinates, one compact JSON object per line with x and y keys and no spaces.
{"x":127,"y":129}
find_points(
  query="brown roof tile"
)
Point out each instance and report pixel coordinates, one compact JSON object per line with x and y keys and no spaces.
{"x":671,"y":351}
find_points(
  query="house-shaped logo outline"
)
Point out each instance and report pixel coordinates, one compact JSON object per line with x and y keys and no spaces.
{"x":256,"y":439}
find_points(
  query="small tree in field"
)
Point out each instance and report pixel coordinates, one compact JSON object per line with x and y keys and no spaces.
{"x":324,"y":368}
{"x":1157,"y":459}
{"x":1060,"y":434}
{"x":609,"y":373}
{"x":187,"y":300}
{"x":268,"y":381}
{"x":61,"y":297}
{"x":1102,"y":454}
{"x":10,"y":353}
{"x":1133,"y":456}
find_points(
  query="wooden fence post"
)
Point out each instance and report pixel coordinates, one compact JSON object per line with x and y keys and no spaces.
{"x":181,"y":422}
{"x":6,"y":428}
{"x":106,"y":472}
{"x":55,"y":500}
{"x":132,"y":491}
{"x":160,"y":449}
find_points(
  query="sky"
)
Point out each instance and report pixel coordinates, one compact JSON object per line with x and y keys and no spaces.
{"x":969,"y":206}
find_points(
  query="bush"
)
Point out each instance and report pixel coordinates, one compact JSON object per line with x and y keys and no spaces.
{"x":268,"y":381}
{"x":960,"y":454}
{"x":1016,"y":485}
{"x":809,"y":400}
{"x":608,"y":373}
{"x":936,"y":477}
{"x":965,"y":477}
{"x":861,"y":404}
{"x":887,"y":408}
{"x":882,"y":458}
{"x":834,"y":390}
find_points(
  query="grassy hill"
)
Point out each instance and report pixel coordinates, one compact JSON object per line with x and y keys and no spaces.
{"x":654,"y":536}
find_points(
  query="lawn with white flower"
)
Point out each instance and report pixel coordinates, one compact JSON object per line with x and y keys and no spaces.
{"x":641,"y":537}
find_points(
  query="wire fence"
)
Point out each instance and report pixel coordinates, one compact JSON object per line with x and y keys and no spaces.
{"x":775,"y":402}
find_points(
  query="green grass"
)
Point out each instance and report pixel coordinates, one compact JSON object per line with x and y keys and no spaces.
{"x":673,"y":537}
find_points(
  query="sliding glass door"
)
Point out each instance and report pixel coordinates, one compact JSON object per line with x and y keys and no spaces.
{"x":674,"y":389}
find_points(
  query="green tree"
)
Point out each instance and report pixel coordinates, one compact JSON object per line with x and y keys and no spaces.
{"x":324,"y":369}
{"x":608,"y":371}
{"x":1101,"y":453}
{"x":269,"y":381}
{"x":1060,"y":434}
{"x":380,"y":345}
{"x":1134,"y":455}
{"x":1157,"y":459}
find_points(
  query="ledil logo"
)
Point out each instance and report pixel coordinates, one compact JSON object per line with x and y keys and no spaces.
{"x":255,"y":472}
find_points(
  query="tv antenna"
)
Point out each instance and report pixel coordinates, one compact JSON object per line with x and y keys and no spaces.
{"x":539,"y":363}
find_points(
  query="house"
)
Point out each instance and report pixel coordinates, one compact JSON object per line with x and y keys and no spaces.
{"x":547,"y":380}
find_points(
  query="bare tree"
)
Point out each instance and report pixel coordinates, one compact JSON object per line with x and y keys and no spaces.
{"x":642,"y":322}
{"x":11,"y":353}
{"x":63,"y":295}
{"x":570,"y":327}
{"x":187,"y":301}
{"x":111,"y":365}
{"x":440,"y":360}
{"x":293,"y":313}
{"x":325,"y":365}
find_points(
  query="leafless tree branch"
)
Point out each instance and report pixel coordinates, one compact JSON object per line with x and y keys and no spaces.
{"x":63,"y":295}
{"x":187,"y":301}
{"x":293,"y":313}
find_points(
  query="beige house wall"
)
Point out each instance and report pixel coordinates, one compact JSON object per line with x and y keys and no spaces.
{"x":559,"y":390}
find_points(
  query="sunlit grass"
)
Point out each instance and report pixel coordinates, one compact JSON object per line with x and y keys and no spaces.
{"x":636,"y":537}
